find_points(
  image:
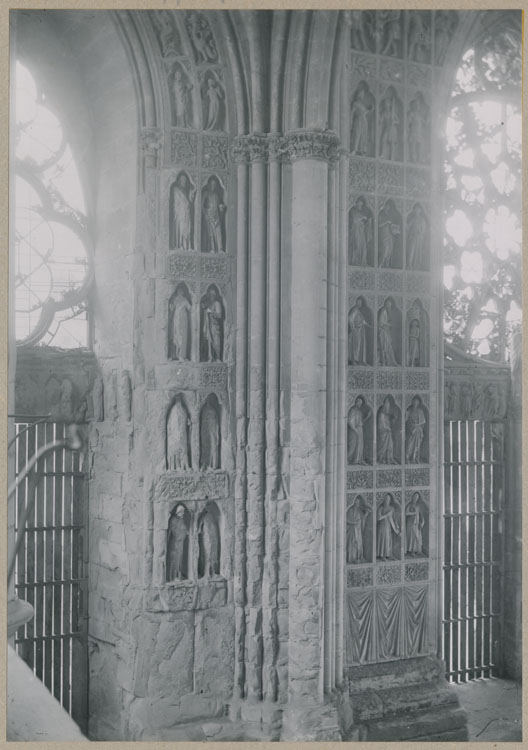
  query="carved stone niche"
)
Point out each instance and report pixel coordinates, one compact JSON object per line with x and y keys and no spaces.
{"x":180,"y":324}
{"x":182,"y":195}
{"x":209,"y":541}
{"x":212,"y":319}
{"x":178,"y":566}
{"x":417,"y":335}
{"x":213,"y":101}
{"x":389,"y":334}
{"x":360,"y":433}
{"x":416,"y":539}
{"x":418,"y":129}
{"x":363,"y":121}
{"x":360,"y":333}
{"x":180,"y":88}
{"x":178,"y":437}
{"x":389,"y":235}
{"x":360,"y":232}
{"x":210,"y":434}
{"x":417,"y":432}
{"x":388,"y":526}
{"x":419,"y":35}
{"x":388,"y":432}
{"x":359,"y":529}
{"x":390,"y":32}
{"x":213,"y":216}
{"x":417,"y":239}
{"x":390,"y":126}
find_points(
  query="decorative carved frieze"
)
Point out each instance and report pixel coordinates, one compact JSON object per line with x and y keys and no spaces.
{"x":389,"y":380}
{"x":417,"y":571}
{"x":184,"y":148}
{"x":388,"y":574}
{"x":389,"y":478}
{"x":214,"y":152}
{"x":360,"y":279}
{"x":360,"y":379}
{"x":191,"y":486}
{"x":361,"y":175}
{"x":364,"y":66}
{"x":390,"y":282}
{"x":300,"y":144}
{"x":214,"y":267}
{"x":416,"y":477}
{"x":151,"y":141}
{"x":359,"y":480}
{"x":390,"y":179}
{"x":417,"y":381}
{"x":359,"y":577}
{"x":182,"y":267}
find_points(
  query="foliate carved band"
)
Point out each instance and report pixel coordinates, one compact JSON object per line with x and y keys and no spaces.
{"x":300,"y":144}
{"x":151,"y":140}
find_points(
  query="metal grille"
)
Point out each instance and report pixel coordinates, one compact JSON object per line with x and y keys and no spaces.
{"x":474,"y":482}
{"x":49,"y":571}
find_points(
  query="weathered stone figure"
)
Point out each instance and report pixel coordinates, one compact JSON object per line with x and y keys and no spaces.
{"x":357,"y":339}
{"x":213,"y":326}
{"x":98,"y":399}
{"x":491,"y":408}
{"x":210,"y":538}
{"x":181,"y":215}
{"x":414,"y":431}
{"x":356,"y":443}
{"x":417,"y":237}
{"x":386,"y":355}
{"x":391,"y":33}
{"x":390,"y":126}
{"x":385,"y":439}
{"x":362,"y":121}
{"x":202,"y":38}
{"x":445,"y":23}
{"x":413,"y":354}
{"x":177,"y":546}
{"x":355,"y":520}
{"x":417,"y":129}
{"x":389,"y":229}
{"x":360,"y":233}
{"x":178,"y":444}
{"x":180,"y":326}
{"x":167,"y":34}
{"x":213,"y":95}
{"x":126,"y":395}
{"x":385,"y":527}
{"x":466,"y":400}
{"x":362,"y":27}
{"x":418,"y":43}
{"x":209,"y":437}
{"x":66,"y":400}
{"x":414,"y":523}
{"x":181,"y":98}
{"x":213,"y":211}
{"x":451,"y":400}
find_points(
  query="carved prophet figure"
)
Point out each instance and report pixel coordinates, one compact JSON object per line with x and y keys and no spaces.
{"x":181,"y":227}
{"x":385,"y":527}
{"x":362,"y":27}
{"x":209,"y":438}
{"x":357,"y":340}
{"x":212,"y":317}
{"x":414,"y":430}
{"x":202,"y":38}
{"x":181,"y":99}
{"x":385,"y":441}
{"x":210,"y":538}
{"x":414,"y":523}
{"x":355,"y":527}
{"x":417,"y":237}
{"x":180,"y":325}
{"x":213,"y":210}
{"x":213,"y":96}
{"x":418,"y":44}
{"x":178,"y":447}
{"x":177,"y":546}
{"x":389,"y":232}
{"x":360,"y":233}
{"x":356,"y":421}
{"x":413,"y":355}
{"x":390,"y":123}
{"x":391,"y":32}
{"x":362,"y":121}
{"x":126,"y":395}
{"x":417,"y":129}
{"x":386,"y":355}
{"x":167,"y":35}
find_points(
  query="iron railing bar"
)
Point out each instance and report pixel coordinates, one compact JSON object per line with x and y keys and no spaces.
{"x":55,"y":636}
{"x":57,"y":582}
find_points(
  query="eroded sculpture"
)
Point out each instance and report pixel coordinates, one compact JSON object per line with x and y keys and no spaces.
{"x":213,"y":97}
{"x":358,"y":415}
{"x":414,"y":431}
{"x":209,"y":541}
{"x":178,"y":545}
{"x":389,"y":236}
{"x":360,"y":233}
{"x":386,"y":354}
{"x":357,"y":333}
{"x":386,"y":526}
{"x":210,"y":435}
{"x":362,"y":121}
{"x":178,"y":437}
{"x":355,"y":528}
{"x":414,"y":523}
{"x":385,"y":439}
{"x":213,"y":217}
{"x":391,"y":126}
{"x":182,"y":195}
{"x":180,"y":324}
{"x":212,"y":337}
{"x":181,"y":98}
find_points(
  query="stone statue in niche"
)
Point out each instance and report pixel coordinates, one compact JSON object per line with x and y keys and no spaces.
{"x":111,"y":410}
{"x":178,"y":437}
{"x":360,"y":233}
{"x":180,"y":324}
{"x":390,"y":32}
{"x":466,"y":401}
{"x":357,"y":333}
{"x":178,"y":545}
{"x":389,"y":236}
{"x":386,"y":526}
{"x":419,"y":37}
{"x":497,"y":441}
{"x":126,"y":395}
{"x":417,"y":238}
{"x":66,"y":400}
{"x":446,"y":22}
{"x":363,"y":30}
{"x":362,"y":119}
{"x":202,"y":38}
{"x":355,"y":527}
{"x":492,"y":402}
{"x":168,"y":36}
{"x":181,"y":201}
{"x":417,"y":336}
{"x":358,"y":416}
{"x":385,"y":438}
{"x":451,"y":400}
{"x":413,"y":354}
{"x":213,"y":98}
{"x":386,"y":355}
{"x":414,"y":523}
{"x":79,"y":416}
{"x":213,"y":217}
{"x":391,"y":126}
{"x":418,"y":129}
{"x":212,"y":341}
{"x":209,"y":545}
{"x":98,"y":399}
{"x":210,"y":435}
{"x":414,"y":431}
{"x":181,"y":98}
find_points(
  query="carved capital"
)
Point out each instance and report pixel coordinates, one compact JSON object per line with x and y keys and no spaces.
{"x":249,"y":148}
{"x":312,"y":144}
{"x":150,"y":141}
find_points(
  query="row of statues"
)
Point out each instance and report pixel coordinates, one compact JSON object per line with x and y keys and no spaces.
{"x":387,"y":528}
{"x":360,"y":433}
{"x":390,"y":236}
{"x":179,"y":434}
{"x":212,"y":95}
{"x":471,"y":400}
{"x":184,"y":538}
{"x":391,"y":126}
{"x":180,"y":327}
{"x":182,"y":215}
{"x":395,"y":33}
{"x":198,"y":30}
{"x":389,"y":326}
